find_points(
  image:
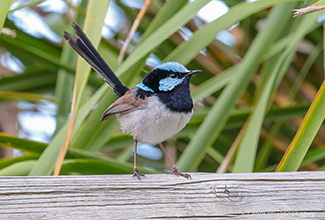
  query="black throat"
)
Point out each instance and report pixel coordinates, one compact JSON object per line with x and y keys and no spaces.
{"x":177,"y":100}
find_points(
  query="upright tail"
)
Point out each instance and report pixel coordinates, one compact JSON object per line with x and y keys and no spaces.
{"x":83,"y":46}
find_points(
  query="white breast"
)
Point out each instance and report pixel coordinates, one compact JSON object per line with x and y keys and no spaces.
{"x":153,"y":123}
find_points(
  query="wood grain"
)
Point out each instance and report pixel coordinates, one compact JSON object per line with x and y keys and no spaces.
{"x":299,"y":195}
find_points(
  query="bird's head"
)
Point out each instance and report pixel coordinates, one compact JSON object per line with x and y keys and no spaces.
{"x":166,"y":77}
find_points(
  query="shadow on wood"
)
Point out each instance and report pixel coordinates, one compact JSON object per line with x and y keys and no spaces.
{"x":299,"y":195}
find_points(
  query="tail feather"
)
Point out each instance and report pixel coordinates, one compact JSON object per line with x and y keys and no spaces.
{"x":83,"y":46}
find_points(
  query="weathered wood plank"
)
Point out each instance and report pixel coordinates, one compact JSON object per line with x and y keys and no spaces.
{"x":299,"y":195}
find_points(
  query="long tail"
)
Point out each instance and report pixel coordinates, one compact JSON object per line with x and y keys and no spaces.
{"x":83,"y":46}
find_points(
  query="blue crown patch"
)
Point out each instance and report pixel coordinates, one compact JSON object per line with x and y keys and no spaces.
{"x":172,"y":67}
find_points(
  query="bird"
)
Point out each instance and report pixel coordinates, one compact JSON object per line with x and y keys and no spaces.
{"x":151,"y":112}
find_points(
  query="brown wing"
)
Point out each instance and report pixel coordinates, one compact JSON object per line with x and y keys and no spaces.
{"x":124,"y":104}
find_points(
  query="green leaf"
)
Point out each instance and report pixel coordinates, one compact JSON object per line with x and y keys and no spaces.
{"x":25,"y":96}
{"x":28,"y":4}
{"x":305,"y":135}
{"x":21,"y":144}
{"x":47,"y":160}
{"x":18,"y":169}
{"x":28,"y":48}
{"x":92,"y":167}
{"x":167,"y":11}
{"x":28,"y":81}
{"x":248,"y":146}
{"x":92,"y":129}
{"x":162,"y":33}
{"x":201,"y":38}
{"x":36,"y":149}
{"x":64,"y":85}
{"x":93,"y":24}
{"x":314,"y":155}
{"x":219,"y":114}
{"x":5,"y":162}
{"x":96,"y":12}
{"x":5,"y":4}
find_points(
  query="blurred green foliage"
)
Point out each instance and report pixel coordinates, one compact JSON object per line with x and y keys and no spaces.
{"x":250,"y":98}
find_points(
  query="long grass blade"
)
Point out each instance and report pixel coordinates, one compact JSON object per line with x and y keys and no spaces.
{"x":305,"y":135}
{"x":95,"y":15}
{"x":5,"y":4}
{"x":219,"y":114}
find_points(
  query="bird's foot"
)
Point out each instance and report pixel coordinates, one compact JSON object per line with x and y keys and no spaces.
{"x":137,"y":174}
{"x":175,"y":172}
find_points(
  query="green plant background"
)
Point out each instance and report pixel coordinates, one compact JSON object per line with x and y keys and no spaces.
{"x":250,"y":98}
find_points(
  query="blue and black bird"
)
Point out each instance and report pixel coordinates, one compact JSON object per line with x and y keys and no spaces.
{"x":156,"y":109}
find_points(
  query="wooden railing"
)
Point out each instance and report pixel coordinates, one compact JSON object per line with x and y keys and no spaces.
{"x":299,"y":195}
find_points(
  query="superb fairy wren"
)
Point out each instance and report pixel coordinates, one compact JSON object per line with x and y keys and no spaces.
{"x":156,"y":109}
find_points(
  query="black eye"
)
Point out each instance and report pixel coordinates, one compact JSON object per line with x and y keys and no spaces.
{"x":173,"y":76}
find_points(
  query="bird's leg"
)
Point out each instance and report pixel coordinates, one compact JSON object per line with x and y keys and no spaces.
{"x":135,"y":169}
{"x":174,"y":170}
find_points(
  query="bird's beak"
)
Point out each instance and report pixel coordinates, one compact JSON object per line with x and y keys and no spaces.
{"x":192,"y":72}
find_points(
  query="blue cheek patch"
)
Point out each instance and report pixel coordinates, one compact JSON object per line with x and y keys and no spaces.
{"x":144,"y":87}
{"x":168,"y":83}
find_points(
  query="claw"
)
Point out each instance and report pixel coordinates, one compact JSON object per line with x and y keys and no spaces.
{"x":137,"y":174}
{"x":175,"y":172}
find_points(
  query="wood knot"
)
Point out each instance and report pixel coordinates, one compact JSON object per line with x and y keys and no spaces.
{"x":228,"y":192}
